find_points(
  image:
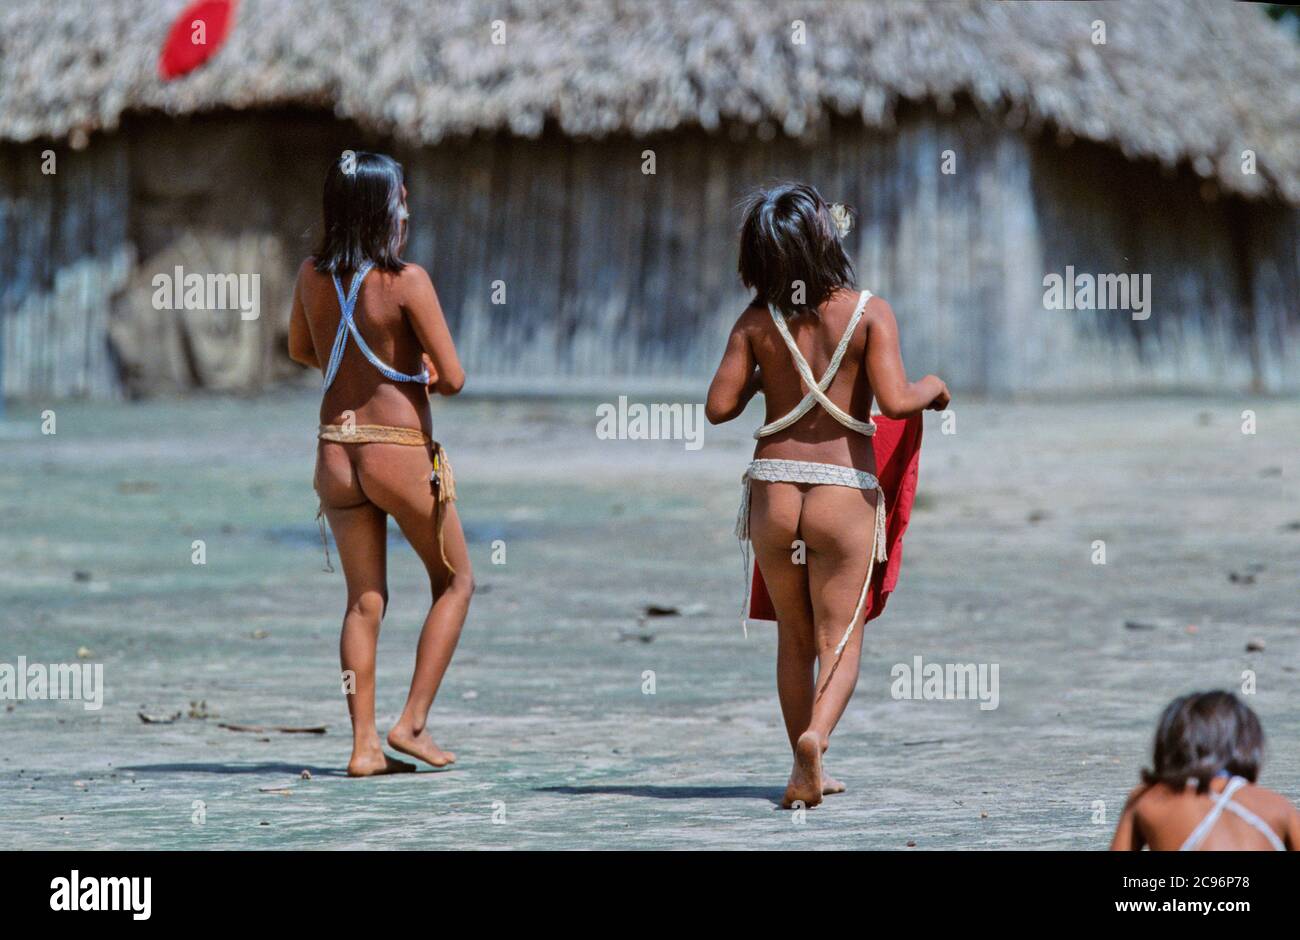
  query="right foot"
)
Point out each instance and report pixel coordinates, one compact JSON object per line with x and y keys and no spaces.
{"x":376,"y":762}
{"x":806,"y":783}
{"x":420,"y":745}
{"x":831,"y":785}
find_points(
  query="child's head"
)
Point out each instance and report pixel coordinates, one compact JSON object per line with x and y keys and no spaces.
{"x":790,"y":250}
{"x":364,"y":213}
{"x":1202,"y":734}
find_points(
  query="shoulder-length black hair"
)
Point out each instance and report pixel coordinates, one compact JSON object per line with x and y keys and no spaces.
{"x":789,"y":240}
{"x":363,"y":217}
{"x":1203,"y":733}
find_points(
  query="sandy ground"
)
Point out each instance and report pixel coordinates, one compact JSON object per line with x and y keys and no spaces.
{"x":559,"y":747}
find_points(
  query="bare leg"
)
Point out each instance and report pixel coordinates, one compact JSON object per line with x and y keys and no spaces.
{"x":838,"y":523}
{"x":438,"y":639}
{"x":359,"y":532}
{"x":397,"y":478}
{"x":774,"y":527}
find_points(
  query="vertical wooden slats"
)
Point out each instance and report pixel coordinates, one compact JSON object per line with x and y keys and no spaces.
{"x":613,"y":274}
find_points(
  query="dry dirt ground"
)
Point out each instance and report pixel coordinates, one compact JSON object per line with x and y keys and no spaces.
{"x":559,"y":745}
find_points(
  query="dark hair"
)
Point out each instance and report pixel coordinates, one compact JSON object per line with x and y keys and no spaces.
{"x":788,"y":235}
{"x":362,"y":217}
{"x":1203,"y":733}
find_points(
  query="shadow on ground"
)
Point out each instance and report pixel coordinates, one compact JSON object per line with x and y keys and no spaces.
{"x":216,"y":768}
{"x":672,"y":793}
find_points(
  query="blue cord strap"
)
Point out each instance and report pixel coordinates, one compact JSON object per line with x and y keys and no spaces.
{"x":347,"y":324}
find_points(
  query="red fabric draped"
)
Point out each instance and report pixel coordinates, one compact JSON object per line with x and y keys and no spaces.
{"x":897,"y":444}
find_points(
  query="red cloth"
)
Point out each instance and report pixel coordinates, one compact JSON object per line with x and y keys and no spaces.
{"x":180,"y":53}
{"x":897,"y":444}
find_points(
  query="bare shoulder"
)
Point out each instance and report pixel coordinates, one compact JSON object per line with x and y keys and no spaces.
{"x":307,"y":268}
{"x":1140,"y":796}
{"x":411,"y":284}
{"x":752,"y":318}
{"x":1269,"y":802}
{"x":878,"y":309}
{"x":413,"y":275}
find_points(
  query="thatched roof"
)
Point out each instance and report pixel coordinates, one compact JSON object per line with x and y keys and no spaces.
{"x":1195,"y":82}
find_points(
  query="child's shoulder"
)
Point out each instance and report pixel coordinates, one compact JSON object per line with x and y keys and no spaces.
{"x":878,"y":307}
{"x":753,"y":317}
{"x":411,"y":271}
{"x":1145,"y":793}
{"x":1268,"y":803}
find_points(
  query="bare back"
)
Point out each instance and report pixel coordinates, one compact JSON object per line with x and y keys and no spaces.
{"x":817,"y":436}
{"x":382,"y":317}
{"x":1163,"y":818}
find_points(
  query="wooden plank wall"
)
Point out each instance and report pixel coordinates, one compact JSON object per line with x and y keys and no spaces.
{"x":1225,"y":276}
{"x":614,"y":275}
{"x":63,"y":253}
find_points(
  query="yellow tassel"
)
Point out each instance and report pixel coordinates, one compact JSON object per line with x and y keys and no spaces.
{"x":444,"y":485}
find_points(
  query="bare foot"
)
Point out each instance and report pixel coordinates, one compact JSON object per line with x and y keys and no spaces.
{"x":376,"y":762}
{"x":419,"y":745}
{"x":805,"y":784}
{"x":829,"y":783}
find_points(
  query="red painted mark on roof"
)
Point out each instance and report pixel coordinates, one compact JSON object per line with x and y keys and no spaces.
{"x":195,"y":36}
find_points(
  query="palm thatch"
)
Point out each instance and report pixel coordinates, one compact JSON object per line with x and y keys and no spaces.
{"x":1193,"y":83}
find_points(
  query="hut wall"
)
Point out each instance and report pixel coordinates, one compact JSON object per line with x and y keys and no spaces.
{"x":610,"y":272}
{"x":613,"y":275}
{"x":64,"y":252}
{"x":1223,"y":277}
{"x":228,"y":194}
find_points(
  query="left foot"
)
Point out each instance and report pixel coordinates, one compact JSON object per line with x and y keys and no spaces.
{"x":830,"y":784}
{"x":419,"y":745}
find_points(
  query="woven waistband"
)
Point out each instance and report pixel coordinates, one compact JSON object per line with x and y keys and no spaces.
{"x":771,"y":470}
{"x":372,"y":434}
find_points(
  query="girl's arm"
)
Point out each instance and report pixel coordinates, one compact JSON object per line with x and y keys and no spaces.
{"x":301,"y":349}
{"x":420,"y":303}
{"x":736,"y":381}
{"x":897,"y":397}
{"x":1292,"y":840}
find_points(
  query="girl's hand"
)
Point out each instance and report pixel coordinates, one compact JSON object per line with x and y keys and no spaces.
{"x":941,"y":400}
{"x":433,"y":372}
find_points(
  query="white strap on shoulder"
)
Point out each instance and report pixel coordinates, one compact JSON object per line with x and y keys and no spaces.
{"x":1264,"y":828}
{"x":817,"y":389}
{"x":1220,"y":803}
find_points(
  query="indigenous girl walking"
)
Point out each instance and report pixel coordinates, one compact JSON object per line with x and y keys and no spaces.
{"x":372,"y":324}
{"x":1200,"y":792}
{"x":819,"y":350}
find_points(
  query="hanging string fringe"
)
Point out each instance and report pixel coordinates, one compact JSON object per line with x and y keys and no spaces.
{"x":324,"y":539}
{"x":444,"y":492}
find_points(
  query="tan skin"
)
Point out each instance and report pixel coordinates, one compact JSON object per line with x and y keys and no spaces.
{"x":361,"y":485}
{"x":1161,"y":818}
{"x":815,"y":600}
